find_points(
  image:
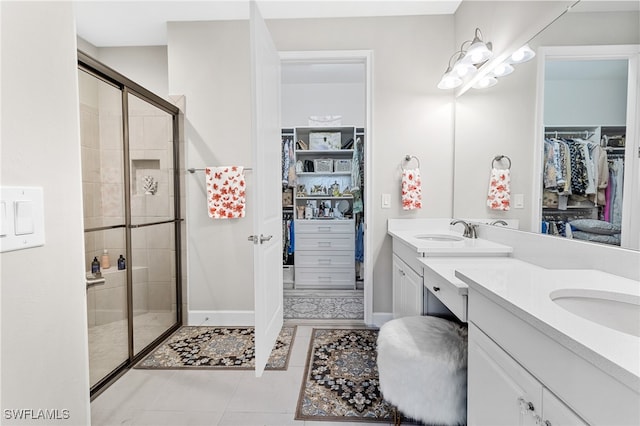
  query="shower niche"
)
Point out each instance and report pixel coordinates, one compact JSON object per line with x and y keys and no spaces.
{"x":146,"y":175}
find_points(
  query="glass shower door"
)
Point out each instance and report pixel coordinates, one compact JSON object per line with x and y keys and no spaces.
{"x":153,"y":253}
{"x":101,"y":125}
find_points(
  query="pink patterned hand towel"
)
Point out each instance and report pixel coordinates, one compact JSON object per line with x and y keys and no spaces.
{"x":225,"y":192}
{"x":411,"y":189}
{"x":499,"y":192}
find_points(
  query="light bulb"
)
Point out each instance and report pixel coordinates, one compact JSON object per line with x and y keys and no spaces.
{"x":522,"y":55}
{"x":449,"y":80}
{"x":485,"y":82}
{"x":502,"y":69}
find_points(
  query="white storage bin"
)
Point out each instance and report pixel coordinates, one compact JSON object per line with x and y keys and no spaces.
{"x":323,"y":166}
{"x":342,"y":166}
{"x":322,"y":141}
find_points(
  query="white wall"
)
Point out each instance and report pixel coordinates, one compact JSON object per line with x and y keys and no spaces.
{"x":501,"y":119}
{"x":145,"y":65}
{"x":209,"y":64}
{"x":300,"y":101}
{"x":410,"y":115}
{"x":44,"y":362}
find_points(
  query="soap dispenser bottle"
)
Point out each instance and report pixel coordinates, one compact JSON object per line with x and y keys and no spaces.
{"x":95,"y":266}
{"x":105,"y":263}
{"x":121,"y":263}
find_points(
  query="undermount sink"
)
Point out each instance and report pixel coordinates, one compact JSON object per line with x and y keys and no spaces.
{"x":618,"y":311}
{"x":438,"y":237}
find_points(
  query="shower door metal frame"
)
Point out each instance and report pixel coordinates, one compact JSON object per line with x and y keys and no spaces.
{"x":126,"y":86}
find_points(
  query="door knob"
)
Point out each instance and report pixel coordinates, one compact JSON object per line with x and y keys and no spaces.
{"x":263,"y":238}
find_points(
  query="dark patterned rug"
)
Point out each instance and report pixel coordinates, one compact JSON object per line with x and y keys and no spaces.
{"x":340,"y":381}
{"x":207,"y":347}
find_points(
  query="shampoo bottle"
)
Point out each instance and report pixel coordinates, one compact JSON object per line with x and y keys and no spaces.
{"x":95,"y":266}
{"x":104,"y":260}
{"x":121,"y":263}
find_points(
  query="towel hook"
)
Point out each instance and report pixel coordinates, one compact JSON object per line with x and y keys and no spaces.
{"x":500,"y":158}
{"x":408,"y":158}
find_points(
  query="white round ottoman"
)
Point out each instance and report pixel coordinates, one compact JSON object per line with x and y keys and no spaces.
{"x":422,"y":362}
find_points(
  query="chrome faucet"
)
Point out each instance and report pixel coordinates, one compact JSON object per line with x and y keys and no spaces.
{"x":499,"y":222}
{"x":470,"y":229}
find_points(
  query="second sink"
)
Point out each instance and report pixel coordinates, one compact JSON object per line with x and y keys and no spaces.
{"x":618,"y":311}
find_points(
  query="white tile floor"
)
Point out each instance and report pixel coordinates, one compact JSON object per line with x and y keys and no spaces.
{"x":210,"y":397}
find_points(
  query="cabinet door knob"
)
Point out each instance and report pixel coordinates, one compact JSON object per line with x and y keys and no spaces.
{"x":436,"y":288}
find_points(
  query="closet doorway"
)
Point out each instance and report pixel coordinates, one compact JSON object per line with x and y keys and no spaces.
{"x":327,"y":135}
{"x":131,"y":201}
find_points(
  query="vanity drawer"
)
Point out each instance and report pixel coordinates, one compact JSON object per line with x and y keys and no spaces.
{"x":325,"y":258}
{"x":325,"y":278}
{"x":447,"y":293}
{"x":325,"y":227}
{"x":324,"y":242}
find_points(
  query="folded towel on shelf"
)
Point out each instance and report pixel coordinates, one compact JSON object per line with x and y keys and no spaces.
{"x":499,"y":192}
{"x":411,"y":189}
{"x":225,"y":192}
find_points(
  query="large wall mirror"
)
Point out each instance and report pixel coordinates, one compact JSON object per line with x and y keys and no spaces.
{"x":509,"y":118}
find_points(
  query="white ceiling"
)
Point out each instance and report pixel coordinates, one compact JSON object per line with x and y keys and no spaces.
{"x":143,"y":22}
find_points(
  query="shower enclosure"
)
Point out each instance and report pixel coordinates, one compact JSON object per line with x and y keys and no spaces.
{"x":131,"y":218}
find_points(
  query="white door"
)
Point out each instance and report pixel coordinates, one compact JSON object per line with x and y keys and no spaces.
{"x":267,"y":227}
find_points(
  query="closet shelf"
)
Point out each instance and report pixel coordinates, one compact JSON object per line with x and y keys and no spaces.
{"x":323,"y":197}
{"x":324,"y":174}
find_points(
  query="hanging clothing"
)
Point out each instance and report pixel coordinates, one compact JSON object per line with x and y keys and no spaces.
{"x":357,"y":176}
{"x":499,"y":196}
{"x":579,"y":177}
{"x":360,"y":242}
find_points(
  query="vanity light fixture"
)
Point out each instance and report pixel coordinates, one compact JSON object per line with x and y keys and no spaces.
{"x":466,"y":62}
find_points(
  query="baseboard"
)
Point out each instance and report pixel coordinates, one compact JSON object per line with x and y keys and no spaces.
{"x":222,"y":318}
{"x":379,"y":318}
{"x":246,"y":318}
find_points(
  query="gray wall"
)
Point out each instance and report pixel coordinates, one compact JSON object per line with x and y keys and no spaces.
{"x":44,"y":358}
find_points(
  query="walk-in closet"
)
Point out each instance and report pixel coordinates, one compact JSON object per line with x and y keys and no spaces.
{"x":323,"y":182}
{"x":585,"y":148}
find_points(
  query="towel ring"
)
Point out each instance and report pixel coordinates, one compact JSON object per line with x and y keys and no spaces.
{"x":500,"y":158}
{"x":408,"y":158}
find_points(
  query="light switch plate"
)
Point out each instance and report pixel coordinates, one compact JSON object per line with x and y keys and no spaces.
{"x":386,"y":201}
{"x":4,"y":219}
{"x":23,"y":222}
{"x":518,"y":201}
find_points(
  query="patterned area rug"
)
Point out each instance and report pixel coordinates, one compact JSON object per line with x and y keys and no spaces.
{"x":340,"y":382}
{"x":217,"y":348}
{"x":339,"y":304}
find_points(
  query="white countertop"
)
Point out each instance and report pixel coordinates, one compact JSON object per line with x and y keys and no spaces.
{"x":524,"y":290}
{"x":446,"y":267}
{"x":463,"y":247}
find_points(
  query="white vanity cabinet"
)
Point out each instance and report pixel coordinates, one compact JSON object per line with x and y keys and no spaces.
{"x":502,"y":392}
{"x":407,"y":290}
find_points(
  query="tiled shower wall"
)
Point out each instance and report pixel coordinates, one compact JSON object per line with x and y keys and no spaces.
{"x":153,"y":254}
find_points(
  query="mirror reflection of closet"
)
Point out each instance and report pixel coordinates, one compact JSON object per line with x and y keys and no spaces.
{"x":588,"y":166}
